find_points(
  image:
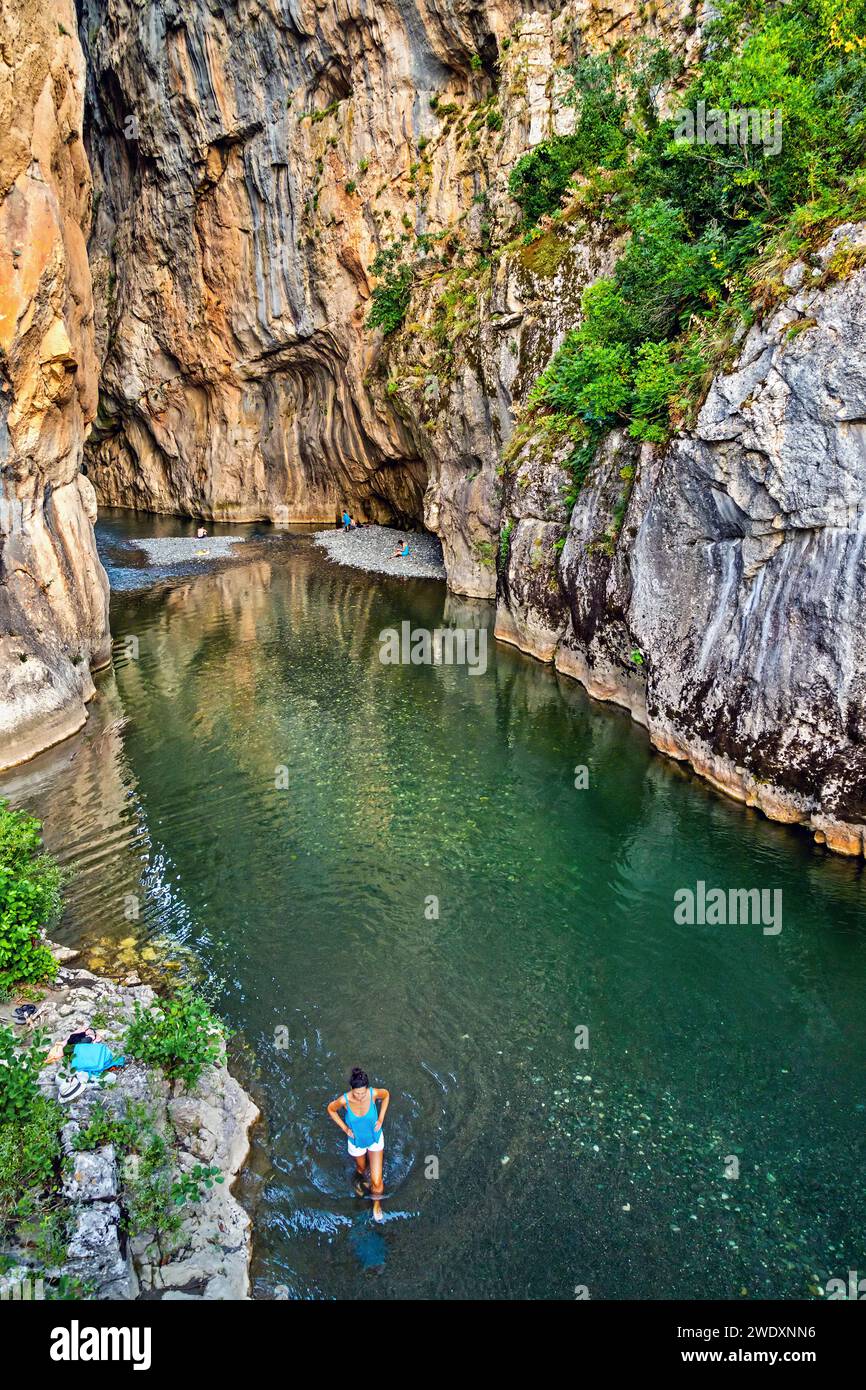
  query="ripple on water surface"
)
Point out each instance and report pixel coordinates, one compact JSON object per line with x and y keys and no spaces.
{"x":256,"y":793}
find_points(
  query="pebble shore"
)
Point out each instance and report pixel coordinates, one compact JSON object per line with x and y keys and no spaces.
{"x":168,"y":550}
{"x":371,"y":548}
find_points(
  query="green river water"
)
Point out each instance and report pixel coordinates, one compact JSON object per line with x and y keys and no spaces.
{"x":516,"y":1165}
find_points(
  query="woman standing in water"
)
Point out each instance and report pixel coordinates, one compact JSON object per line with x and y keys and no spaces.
{"x":363,"y":1125}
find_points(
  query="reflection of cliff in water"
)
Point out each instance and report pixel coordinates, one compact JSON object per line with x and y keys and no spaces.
{"x":283,"y":803}
{"x":257,"y":695}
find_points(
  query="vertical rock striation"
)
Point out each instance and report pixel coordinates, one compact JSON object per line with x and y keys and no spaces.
{"x":251,"y":159}
{"x":53,"y":592}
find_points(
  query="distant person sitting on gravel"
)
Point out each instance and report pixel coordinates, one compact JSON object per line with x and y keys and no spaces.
{"x":401,"y":554}
{"x":200,"y":533}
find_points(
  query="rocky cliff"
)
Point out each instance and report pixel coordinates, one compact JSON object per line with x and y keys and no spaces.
{"x":250,"y":161}
{"x":714,"y":587}
{"x":53,"y":593}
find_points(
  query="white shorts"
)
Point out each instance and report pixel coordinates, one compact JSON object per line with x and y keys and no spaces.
{"x":373,"y":1149}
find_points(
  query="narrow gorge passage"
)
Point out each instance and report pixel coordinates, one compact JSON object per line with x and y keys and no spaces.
{"x":302,"y":906}
{"x":432,"y":576}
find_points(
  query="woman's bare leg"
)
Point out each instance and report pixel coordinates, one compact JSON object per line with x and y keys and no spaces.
{"x":360,"y":1170}
{"x":376,"y":1161}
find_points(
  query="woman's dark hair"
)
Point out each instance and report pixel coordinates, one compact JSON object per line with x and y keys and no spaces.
{"x":359,"y":1078}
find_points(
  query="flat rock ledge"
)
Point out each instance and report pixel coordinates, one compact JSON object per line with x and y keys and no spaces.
{"x":209,"y":1257}
{"x":372,"y":548}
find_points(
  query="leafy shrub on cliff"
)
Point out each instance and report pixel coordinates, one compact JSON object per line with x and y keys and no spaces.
{"x":587,"y":379}
{"x":192,"y":1186}
{"x":538,"y":180}
{"x":390,"y":298}
{"x":30,"y":1126}
{"x":619,"y":365}
{"x":104,"y":1127}
{"x":661,"y":377}
{"x":147,"y":1190}
{"x":701,"y":214}
{"x":19,"y":1074}
{"x":179,"y":1034}
{"x":29,"y":1155}
{"x":505,"y":543}
{"x":30,"y":884}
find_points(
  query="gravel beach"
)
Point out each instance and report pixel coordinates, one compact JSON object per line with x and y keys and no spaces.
{"x":168,"y":550}
{"x":371,"y":547}
{"x":140,"y":562}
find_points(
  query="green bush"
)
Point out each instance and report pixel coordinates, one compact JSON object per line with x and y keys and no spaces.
{"x":191,"y":1187}
{"x":700,"y":214}
{"x":19,"y":1074}
{"x":505,"y":543}
{"x":586,"y":379}
{"x":540,"y":178}
{"x":179,"y":1034}
{"x":29,"y":1155}
{"x":390,"y":298}
{"x":664,"y":275}
{"x":662,"y":374}
{"x":30,"y":902}
{"x":148,"y":1191}
{"x":105,"y":1128}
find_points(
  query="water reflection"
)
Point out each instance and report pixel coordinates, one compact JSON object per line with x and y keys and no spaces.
{"x":282,"y":806}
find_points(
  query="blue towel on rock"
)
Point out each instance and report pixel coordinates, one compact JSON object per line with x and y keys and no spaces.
{"x":94,"y":1058}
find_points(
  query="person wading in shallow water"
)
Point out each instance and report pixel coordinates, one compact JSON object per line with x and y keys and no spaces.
{"x":363,"y":1125}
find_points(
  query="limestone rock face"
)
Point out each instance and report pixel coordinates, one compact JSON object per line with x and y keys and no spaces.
{"x":251,"y":159}
{"x":716,"y":587}
{"x":53,"y":592}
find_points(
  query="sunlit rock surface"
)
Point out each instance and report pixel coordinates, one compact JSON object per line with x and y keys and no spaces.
{"x":250,"y":161}
{"x":53,"y":592}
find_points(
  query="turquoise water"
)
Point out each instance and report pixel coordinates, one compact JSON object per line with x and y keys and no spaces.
{"x":516,"y":1165}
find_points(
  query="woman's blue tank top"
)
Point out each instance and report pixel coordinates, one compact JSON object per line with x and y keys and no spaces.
{"x":362,"y":1125}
